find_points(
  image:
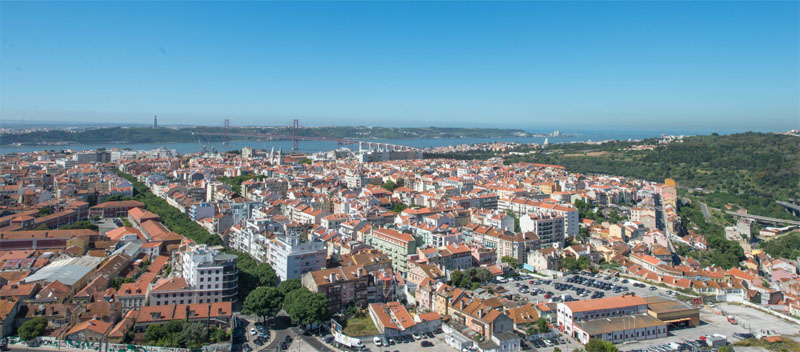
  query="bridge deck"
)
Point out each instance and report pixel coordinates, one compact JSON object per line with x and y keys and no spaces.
{"x":763,"y":218}
{"x":789,"y":205}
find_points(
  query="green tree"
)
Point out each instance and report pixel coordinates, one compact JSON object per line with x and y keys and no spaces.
{"x":306,"y":161}
{"x":511,"y":261}
{"x":252,"y":274}
{"x":264,"y":302}
{"x":32,"y":328}
{"x":306,"y":307}
{"x":597,"y":345}
{"x":45,"y":211}
{"x":569,"y":263}
{"x":154,"y":332}
{"x":118,"y":281}
{"x":456,"y":278}
{"x":584,"y":262}
{"x":483,"y":275}
{"x":389,"y":185}
{"x":218,"y":335}
{"x":399,"y":207}
{"x":541,"y":324}
{"x":194,"y":335}
{"x":288,"y":286}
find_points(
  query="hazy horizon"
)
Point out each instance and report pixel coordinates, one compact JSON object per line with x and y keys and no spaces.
{"x":651,"y":132}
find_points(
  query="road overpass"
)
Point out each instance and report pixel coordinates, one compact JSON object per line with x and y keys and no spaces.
{"x":764,"y":219}
{"x":794,"y":209}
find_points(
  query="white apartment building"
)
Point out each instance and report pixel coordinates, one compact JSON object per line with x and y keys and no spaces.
{"x":549,"y":228}
{"x":209,"y":270}
{"x":292,"y":256}
{"x":522,"y":206}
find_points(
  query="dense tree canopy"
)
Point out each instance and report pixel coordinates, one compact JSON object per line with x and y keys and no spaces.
{"x":32,"y":328}
{"x":306,"y":307}
{"x":287,"y":286}
{"x":785,"y":247}
{"x":471,"y":278}
{"x":721,"y":252}
{"x":264,"y":302}
{"x":179,"y":333}
{"x":170,"y":216}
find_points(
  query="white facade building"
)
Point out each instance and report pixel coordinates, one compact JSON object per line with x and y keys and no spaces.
{"x":291,"y":256}
{"x":208,"y":269}
{"x":549,"y":228}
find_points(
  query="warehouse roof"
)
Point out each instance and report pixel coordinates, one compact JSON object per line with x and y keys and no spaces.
{"x":68,"y":271}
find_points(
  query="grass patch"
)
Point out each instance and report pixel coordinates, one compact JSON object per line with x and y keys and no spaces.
{"x":360,"y":326}
{"x":126,"y":222}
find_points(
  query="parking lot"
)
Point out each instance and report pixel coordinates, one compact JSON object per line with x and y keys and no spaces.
{"x":108,"y":224}
{"x":714,"y":321}
{"x":539,"y":290}
{"x":402,"y":345}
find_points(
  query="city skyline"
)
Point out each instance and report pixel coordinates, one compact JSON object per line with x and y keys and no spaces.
{"x":727,"y":66}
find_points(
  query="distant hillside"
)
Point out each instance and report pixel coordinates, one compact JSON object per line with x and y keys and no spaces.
{"x":104,"y":135}
{"x":161,"y":135}
{"x":748,"y":169}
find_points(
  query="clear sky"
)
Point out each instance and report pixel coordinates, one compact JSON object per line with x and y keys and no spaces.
{"x":703,"y":65}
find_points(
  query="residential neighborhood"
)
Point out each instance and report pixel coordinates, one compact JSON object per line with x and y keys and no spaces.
{"x":154,"y":248}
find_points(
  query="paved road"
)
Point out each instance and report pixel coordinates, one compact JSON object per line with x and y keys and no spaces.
{"x":316,"y":343}
{"x":280,"y":328}
{"x":704,"y":209}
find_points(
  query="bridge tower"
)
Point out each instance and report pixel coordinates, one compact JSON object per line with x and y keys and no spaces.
{"x":225,"y":128}
{"x":295,"y":126}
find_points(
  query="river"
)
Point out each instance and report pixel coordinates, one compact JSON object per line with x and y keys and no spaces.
{"x":316,"y":146}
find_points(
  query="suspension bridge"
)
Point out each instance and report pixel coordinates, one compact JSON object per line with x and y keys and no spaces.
{"x":295,"y":137}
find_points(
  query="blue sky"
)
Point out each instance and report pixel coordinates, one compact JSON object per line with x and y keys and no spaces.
{"x":702,"y":66}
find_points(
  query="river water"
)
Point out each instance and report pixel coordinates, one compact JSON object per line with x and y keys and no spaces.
{"x":316,"y":146}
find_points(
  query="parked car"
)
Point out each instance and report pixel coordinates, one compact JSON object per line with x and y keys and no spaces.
{"x":427,"y":343}
{"x":377,"y":341}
